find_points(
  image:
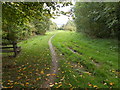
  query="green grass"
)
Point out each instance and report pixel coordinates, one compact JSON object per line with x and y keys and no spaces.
{"x":92,"y":63}
{"x":29,"y":68}
{"x":83,"y":62}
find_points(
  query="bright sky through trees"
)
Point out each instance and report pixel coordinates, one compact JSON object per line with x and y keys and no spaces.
{"x":63,"y":19}
{"x":60,"y":20}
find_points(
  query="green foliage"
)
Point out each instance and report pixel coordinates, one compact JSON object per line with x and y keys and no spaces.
{"x":18,"y":16}
{"x":98,"y":19}
{"x":23,"y":19}
{"x":41,"y":25}
{"x":69,"y":26}
{"x":53,"y":26}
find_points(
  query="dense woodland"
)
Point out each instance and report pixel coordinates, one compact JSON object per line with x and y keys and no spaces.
{"x":98,"y":19}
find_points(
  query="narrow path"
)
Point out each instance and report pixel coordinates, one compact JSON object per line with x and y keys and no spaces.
{"x":54,"y":68}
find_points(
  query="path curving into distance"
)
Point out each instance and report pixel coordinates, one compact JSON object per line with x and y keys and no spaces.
{"x":54,"y":68}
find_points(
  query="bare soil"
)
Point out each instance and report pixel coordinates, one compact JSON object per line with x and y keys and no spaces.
{"x":54,"y":69}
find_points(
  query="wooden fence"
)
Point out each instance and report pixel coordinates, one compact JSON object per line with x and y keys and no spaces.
{"x":10,"y":47}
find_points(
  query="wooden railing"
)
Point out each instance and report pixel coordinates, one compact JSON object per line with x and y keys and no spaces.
{"x":10,"y":47}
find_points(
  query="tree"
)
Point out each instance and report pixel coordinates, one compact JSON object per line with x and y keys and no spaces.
{"x":53,"y":26}
{"x":98,"y":19}
{"x":70,"y":26}
{"x":18,"y":17}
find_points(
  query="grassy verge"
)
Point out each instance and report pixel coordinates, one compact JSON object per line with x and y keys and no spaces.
{"x":30,"y":67}
{"x":85,"y":62}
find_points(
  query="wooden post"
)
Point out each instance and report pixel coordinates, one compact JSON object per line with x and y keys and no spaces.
{"x":15,"y":48}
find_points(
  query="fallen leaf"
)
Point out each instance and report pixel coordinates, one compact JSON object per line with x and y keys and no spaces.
{"x":16,"y":83}
{"x":56,"y":83}
{"x":42,"y":72}
{"x":90,"y":85}
{"x":62,"y":78}
{"x":36,"y":69}
{"x":30,"y":72}
{"x":70,"y":85}
{"x":95,"y":86}
{"x":47,"y":68}
{"x":27,"y":83}
{"x":59,"y":86}
{"x":51,"y":85}
{"x":53,"y":74}
{"x":105,"y":83}
{"x":18,"y":77}
{"x":22,"y":84}
{"x":48,"y":75}
{"x":24,"y":68}
{"x":68,"y":62}
{"x":10,"y":81}
{"x":111,"y":83}
{"x":37,"y":78}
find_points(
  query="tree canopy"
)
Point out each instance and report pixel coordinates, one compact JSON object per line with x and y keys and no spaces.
{"x":22,"y":19}
{"x":98,"y":19}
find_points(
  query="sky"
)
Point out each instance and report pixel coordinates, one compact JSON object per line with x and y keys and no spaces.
{"x":62,"y":19}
